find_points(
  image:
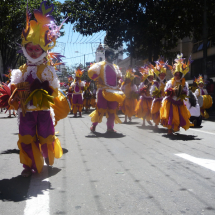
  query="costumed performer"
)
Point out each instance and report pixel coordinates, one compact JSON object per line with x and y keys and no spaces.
{"x":205,"y":101}
{"x":77,"y":86}
{"x":131,"y":92}
{"x":194,"y":85}
{"x":70,"y":92}
{"x":173,"y":113}
{"x":143,"y":108}
{"x":35,"y":86}
{"x":108,"y":93}
{"x":157,"y":89}
{"x":87,"y":96}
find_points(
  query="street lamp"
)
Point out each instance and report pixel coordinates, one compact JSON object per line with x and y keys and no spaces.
{"x":83,"y":54}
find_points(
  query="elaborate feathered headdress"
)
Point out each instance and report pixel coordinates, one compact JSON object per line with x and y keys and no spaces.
{"x":161,"y":66}
{"x":79,"y":73}
{"x":180,"y":66}
{"x":129,"y":74}
{"x":200,"y":80}
{"x":147,"y":70}
{"x":42,"y":31}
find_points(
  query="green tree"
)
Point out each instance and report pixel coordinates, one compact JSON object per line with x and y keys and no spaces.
{"x":12,"y":21}
{"x":149,"y":28}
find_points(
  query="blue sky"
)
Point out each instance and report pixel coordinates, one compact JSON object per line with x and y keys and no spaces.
{"x":73,"y":45}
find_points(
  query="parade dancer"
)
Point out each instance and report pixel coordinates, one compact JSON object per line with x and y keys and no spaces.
{"x":205,"y":101}
{"x":36,"y":85}
{"x":173,"y":113}
{"x":131,"y":92}
{"x":108,"y":94}
{"x":87,"y":96}
{"x":157,"y":89}
{"x":77,"y":86}
{"x":143,"y":108}
{"x":70,"y":92}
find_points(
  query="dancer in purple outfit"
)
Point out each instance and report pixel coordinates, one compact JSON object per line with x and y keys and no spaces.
{"x":109,"y":95}
{"x":36,"y":85}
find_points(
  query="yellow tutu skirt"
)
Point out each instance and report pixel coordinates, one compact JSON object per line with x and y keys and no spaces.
{"x":129,"y":106}
{"x":143,"y":108}
{"x":155,"y":111}
{"x":174,"y":114}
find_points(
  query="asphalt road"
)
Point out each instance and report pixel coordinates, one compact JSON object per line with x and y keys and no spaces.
{"x":136,"y":171}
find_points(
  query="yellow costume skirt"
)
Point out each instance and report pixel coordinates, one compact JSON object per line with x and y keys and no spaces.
{"x":143,"y":108}
{"x":155,"y":110}
{"x":93,"y":102}
{"x":129,"y":106}
{"x":174,"y":114}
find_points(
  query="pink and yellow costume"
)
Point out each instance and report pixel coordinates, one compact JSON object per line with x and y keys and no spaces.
{"x":173,"y":113}
{"x":77,"y":97}
{"x":36,"y":121}
{"x":108,"y":93}
{"x":143,"y":108}
{"x":157,"y":90}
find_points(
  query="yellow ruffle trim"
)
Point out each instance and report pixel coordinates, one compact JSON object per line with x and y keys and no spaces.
{"x":97,"y":115}
{"x":55,"y":152}
{"x":113,"y":97}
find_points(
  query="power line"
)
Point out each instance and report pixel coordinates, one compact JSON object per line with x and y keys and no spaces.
{"x":79,"y":56}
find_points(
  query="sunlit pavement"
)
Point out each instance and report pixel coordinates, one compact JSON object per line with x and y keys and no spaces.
{"x":134,"y":171}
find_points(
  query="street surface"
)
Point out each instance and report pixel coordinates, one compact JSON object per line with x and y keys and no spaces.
{"x":137,"y":171}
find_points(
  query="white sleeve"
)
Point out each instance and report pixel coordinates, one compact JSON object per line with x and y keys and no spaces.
{"x":96,"y":68}
{"x":168,"y":85}
{"x":205,"y":91}
{"x":152,"y":89}
{"x":118,"y":72}
{"x":16,"y":76}
{"x":82,"y":84}
{"x":197,"y":92}
{"x":186,"y":88}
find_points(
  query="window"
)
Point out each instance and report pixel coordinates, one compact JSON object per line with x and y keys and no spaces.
{"x":100,"y":59}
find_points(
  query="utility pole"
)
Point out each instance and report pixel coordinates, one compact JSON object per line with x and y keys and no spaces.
{"x":205,"y":40}
{"x":84,"y":60}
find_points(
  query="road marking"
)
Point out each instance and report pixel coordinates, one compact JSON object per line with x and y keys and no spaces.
{"x":209,"y":164}
{"x":38,"y":194}
{"x":201,"y":131}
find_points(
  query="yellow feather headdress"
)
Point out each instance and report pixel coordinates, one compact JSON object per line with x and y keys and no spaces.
{"x":200,"y":80}
{"x":42,"y":31}
{"x":129,"y":75}
{"x":79,"y":73}
{"x":147,"y":70}
{"x":180,"y":66}
{"x":161,"y":66}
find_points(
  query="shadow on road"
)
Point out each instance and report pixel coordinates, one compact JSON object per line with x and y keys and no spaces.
{"x":105,"y":135}
{"x":183,"y":137}
{"x":159,"y":130}
{"x":130,"y":123}
{"x":16,"y":189}
{"x":146,"y":127}
{"x":7,"y":117}
{"x":10,"y":151}
{"x":64,"y":150}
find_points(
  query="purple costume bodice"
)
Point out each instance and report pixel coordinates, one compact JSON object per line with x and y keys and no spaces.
{"x":110,"y":76}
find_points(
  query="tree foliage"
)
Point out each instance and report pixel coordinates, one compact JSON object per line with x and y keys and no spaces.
{"x":12,"y":21}
{"x":150,"y":28}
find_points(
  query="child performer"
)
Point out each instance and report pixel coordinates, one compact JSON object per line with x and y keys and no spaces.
{"x":173,"y":113}
{"x":131,"y":92}
{"x":77,"y":87}
{"x":157,"y":89}
{"x":143,"y":108}
{"x":205,"y":100}
{"x":36,"y":84}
